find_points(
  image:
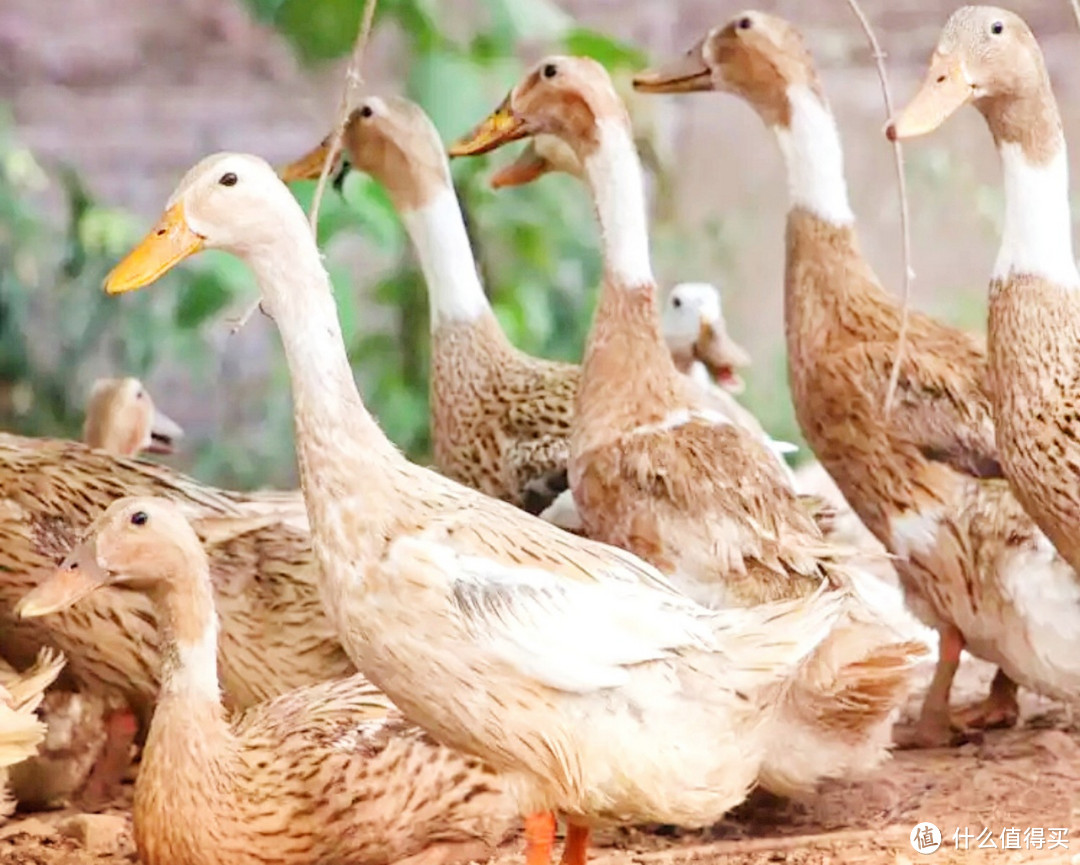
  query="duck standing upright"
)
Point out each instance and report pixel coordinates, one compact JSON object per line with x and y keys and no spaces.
{"x":924,"y":478}
{"x":573,"y":669}
{"x":500,"y":419}
{"x":656,"y":472}
{"x":988,"y":57}
{"x":322,"y":775}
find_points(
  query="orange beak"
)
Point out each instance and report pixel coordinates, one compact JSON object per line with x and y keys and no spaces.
{"x":529,"y":166}
{"x":501,"y":127}
{"x":945,"y":90}
{"x":170,"y":242}
{"x":310,"y":165}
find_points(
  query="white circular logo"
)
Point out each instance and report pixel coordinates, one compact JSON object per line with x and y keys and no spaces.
{"x":925,"y":838}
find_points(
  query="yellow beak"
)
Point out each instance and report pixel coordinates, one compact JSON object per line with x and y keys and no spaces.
{"x":687,"y":74}
{"x":76,"y":578}
{"x":171,"y":241}
{"x":945,"y":89}
{"x":309,"y":166}
{"x":501,"y":127}
{"x":528,"y":167}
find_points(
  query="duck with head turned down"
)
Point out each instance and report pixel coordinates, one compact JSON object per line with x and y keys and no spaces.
{"x":574,"y":669}
{"x":924,"y":477}
{"x":322,"y":775}
{"x":656,"y":472}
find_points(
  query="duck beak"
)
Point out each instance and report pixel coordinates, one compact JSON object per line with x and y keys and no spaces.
{"x":687,"y":74}
{"x":164,"y":433}
{"x":77,"y":577}
{"x":723,"y":356}
{"x":946,"y":89}
{"x":529,"y":166}
{"x":501,"y":127}
{"x":309,"y":166}
{"x":170,"y":242}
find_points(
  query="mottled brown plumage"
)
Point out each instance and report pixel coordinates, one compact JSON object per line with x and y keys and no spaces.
{"x":499,"y":417}
{"x":924,"y":476}
{"x":989,"y":57}
{"x":654,"y":469}
{"x":573,"y":668}
{"x":324,"y":774}
{"x":275,"y":636}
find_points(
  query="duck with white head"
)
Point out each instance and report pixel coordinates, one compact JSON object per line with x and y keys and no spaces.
{"x":654,"y":471}
{"x":572,"y":668}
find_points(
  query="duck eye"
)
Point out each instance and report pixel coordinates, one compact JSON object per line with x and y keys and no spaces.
{"x":997,"y":27}
{"x":366,"y":111}
{"x":676,"y":302}
{"x":139,"y":395}
{"x":746,"y":23}
{"x":550,"y":70}
{"x":140,"y":518}
{"x":228,"y":179}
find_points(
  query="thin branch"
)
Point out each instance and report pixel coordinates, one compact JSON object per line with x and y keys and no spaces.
{"x":905,"y":230}
{"x":1076,"y":9}
{"x":353,"y":79}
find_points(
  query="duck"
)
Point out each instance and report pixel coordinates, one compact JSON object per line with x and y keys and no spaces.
{"x":573,"y":669}
{"x":274,"y":634}
{"x":500,"y":418}
{"x":327,"y":773}
{"x":21,"y":731}
{"x":121,"y":418}
{"x":696,"y":334}
{"x":654,"y":471}
{"x":988,"y":57}
{"x":925,"y":477}
{"x":693,"y":326}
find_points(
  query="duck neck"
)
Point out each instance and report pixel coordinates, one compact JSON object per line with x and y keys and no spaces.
{"x":1037,"y":236}
{"x":613,"y":173}
{"x":190,"y":746}
{"x":810,"y":143}
{"x":189,"y":627}
{"x":626,"y":325}
{"x":340,"y":447}
{"x":437,"y":231}
{"x":326,"y":403}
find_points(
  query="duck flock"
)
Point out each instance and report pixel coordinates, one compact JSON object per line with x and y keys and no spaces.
{"x":611,"y":602}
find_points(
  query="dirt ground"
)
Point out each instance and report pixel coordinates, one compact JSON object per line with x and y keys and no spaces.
{"x":1027,"y":778}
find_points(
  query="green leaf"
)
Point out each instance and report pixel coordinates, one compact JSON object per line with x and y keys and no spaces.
{"x":455,"y":91}
{"x":612,"y":53}
{"x":320,"y":29}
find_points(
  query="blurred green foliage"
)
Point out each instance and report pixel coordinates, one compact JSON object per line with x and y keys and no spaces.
{"x":536,"y":248}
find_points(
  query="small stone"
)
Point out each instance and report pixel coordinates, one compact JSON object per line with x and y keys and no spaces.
{"x":29,"y":826}
{"x":98,"y":833}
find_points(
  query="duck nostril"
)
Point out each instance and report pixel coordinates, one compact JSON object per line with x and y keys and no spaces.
{"x":160,"y":232}
{"x":941,"y":79}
